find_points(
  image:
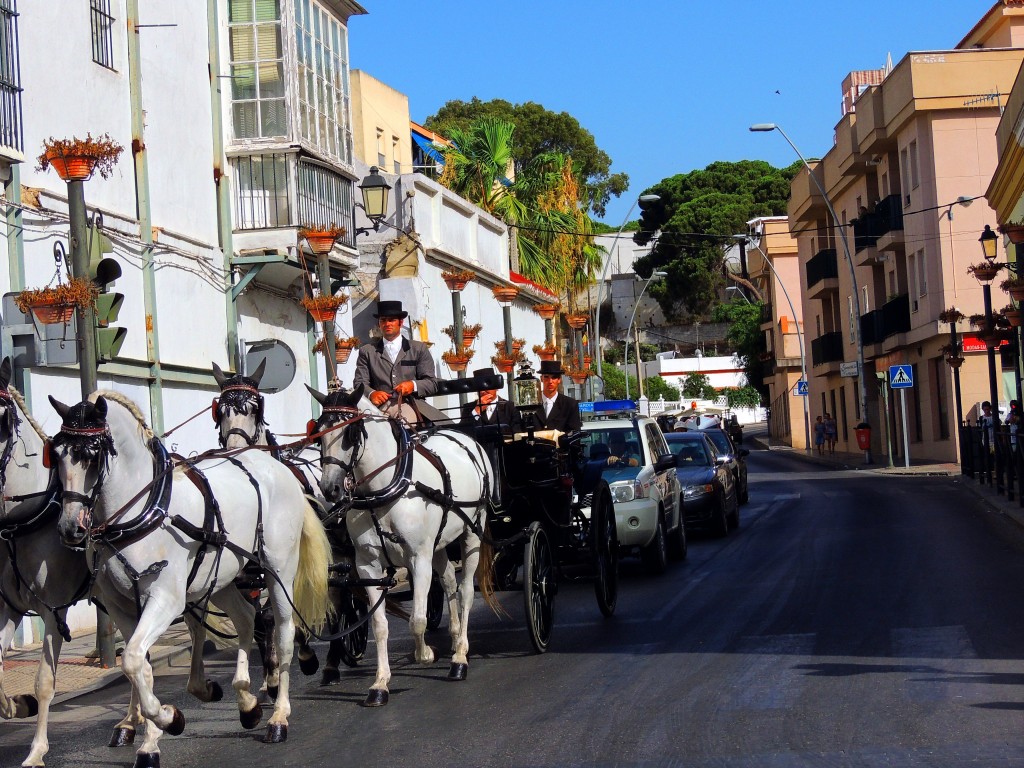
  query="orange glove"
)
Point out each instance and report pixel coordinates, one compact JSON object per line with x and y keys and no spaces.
{"x":405,"y":388}
{"x":378,"y":398}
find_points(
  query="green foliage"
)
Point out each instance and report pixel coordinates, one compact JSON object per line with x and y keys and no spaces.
{"x":540,"y":132}
{"x":745,"y":337}
{"x":656,"y":387}
{"x":742,"y":397}
{"x":696,"y":385}
{"x":695,"y":219}
{"x":615,"y":383}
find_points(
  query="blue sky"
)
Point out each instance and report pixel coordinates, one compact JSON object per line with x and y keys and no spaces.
{"x":665,"y":86}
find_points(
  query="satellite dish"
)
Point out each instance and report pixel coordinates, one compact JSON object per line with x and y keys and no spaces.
{"x":280,"y":360}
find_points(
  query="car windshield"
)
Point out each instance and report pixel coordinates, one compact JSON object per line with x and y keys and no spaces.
{"x":689,"y":453}
{"x":720,"y":439}
{"x":621,"y":441}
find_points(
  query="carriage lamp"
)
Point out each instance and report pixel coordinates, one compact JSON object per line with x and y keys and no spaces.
{"x":374,"y":190}
{"x":526,"y":387}
{"x":988,"y":241}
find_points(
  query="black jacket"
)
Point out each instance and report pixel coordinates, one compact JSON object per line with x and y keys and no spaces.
{"x":564,"y":416}
{"x":505,"y":414}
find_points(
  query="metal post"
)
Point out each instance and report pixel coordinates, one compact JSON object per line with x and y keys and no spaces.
{"x":954,"y":345}
{"x":993,"y":381}
{"x":323,"y":274}
{"x":906,"y":432}
{"x":506,"y":319}
{"x":457,"y":325}
{"x":884,"y":382}
{"x":639,"y":366}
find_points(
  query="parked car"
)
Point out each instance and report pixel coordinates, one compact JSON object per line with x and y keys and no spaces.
{"x":736,"y":458}
{"x":710,"y":498}
{"x":644,"y":486}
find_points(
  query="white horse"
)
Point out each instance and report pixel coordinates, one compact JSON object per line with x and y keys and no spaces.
{"x":161,"y":536}
{"x":410,"y":497}
{"x":37,"y":573}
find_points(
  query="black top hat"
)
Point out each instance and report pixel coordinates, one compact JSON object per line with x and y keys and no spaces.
{"x":390,"y":309}
{"x":551,"y":368}
{"x":483,"y":373}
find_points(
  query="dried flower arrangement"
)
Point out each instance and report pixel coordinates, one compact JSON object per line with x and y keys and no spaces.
{"x":102,"y":151}
{"x":311,"y":230}
{"x":321,"y":303}
{"x":951,"y":315}
{"x":350,"y":343}
{"x":74,"y":293}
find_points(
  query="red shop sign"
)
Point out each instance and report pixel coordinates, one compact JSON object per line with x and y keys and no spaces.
{"x":972,"y":343}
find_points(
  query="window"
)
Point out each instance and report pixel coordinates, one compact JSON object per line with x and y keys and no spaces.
{"x":922,"y":275}
{"x":11,"y":134}
{"x":912,"y":272}
{"x":865,"y":301}
{"x":905,"y":170}
{"x":101,"y":26}
{"x":257,"y":69}
{"x":853,"y":318}
{"x":915,"y":178}
{"x":396,"y":155}
{"x":325,"y":198}
{"x":322,"y":43}
{"x":261,"y":199}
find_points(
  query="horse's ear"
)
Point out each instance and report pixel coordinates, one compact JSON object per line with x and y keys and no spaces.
{"x":218,"y":374}
{"x":59,"y":407}
{"x":5,"y":372}
{"x":316,"y":395}
{"x":356,"y":395}
{"x":101,"y":407}
{"x":258,"y":373}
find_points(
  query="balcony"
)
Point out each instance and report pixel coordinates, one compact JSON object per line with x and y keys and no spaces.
{"x":12,"y":140}
{"x":893,"y":318}
{"x":890,"y":236}
{"x":822,"y":274}
{"x":827,"y":348}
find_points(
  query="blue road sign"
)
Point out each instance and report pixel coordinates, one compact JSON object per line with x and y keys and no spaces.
{"x":801,"y":388}
{"x":901,"y":376}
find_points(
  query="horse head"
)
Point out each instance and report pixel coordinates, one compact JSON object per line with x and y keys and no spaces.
{"x":81,"y":452}
{"x":8,"y":415}
{"x":238,"y":412}
{"x":339,"y":445}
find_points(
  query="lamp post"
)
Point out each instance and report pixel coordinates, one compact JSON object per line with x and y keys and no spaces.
{"x":989,"y":241}
{"x":862,"y":386}
{"x":800,"y":343}
{"x":625,"y":356}
{"x":965,"y":201}
{"x":600,"y":285}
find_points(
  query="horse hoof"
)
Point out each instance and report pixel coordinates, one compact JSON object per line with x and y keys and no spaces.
{"x":272,"y":691}
{"x":276,"y":733}
{"x":251,"y":718}
{"x":377,"y":697}
{"x":216,"y":692}
{"x":26,"y":705}
{"x":122,"y":737}
{"x":330,"y":676}
{"x":177,"y":726}
{"x":458,"y":671}
{"x":147,"y":760}
{"x":309,"y":666}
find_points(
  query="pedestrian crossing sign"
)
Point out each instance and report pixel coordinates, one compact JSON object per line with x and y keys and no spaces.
{"x":901,"y":376}
{"x":801,"y":387}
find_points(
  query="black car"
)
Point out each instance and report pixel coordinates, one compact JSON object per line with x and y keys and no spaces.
{"x":709,"y":494}
{"x":736,"y":461}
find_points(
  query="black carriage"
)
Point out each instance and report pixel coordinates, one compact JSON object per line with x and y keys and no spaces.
{"x":552,"y":517}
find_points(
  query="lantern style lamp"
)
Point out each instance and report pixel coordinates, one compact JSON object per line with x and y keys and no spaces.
{"x":374,"y":189}
{"x":988,"y":242}
{"x":526,"y":387}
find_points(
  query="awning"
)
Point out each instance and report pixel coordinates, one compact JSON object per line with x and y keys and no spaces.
{"x":429,"y":148}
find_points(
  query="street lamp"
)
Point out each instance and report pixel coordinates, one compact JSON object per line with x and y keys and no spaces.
{"x":862,"y":386}
{"x":374,"y":189}
{"x":989,"y":241}
{"x":625,"y":356}
{"x":604,"y":274}
{"x":800,"y":343}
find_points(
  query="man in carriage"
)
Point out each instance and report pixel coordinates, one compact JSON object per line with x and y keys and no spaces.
{"x":490,"y":409}
{"x":556,"y":410}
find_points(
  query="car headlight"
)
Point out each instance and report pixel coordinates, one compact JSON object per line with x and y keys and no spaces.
{"x":696,"y":491}
{"x":622,"y":491}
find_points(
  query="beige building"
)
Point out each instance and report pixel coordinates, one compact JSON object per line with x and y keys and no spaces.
{"x":380,"y":124}
{"x":909,"y":157}
{"x":774,"y":267}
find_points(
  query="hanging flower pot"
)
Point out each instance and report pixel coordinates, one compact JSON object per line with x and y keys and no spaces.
{"x":546,"y":311}
{"x":323,"y":308}
{"x":321,"y":239}
{"x":457,"y":361}
{"x":57,"y":304}
{"x":576,"y":321}
{"x":456,"y":279}
{"x":1014,"y":232}
{"x":545,"y":351}
{"x":985,"y":271}
{"x":77,"y":159}
{"x":517,"y":346}
{"x":505,"y":293}
{"x":342,"y":348}
{"x":578,"y":375}
{"x":503,"y":364}
{"x":469,"y":333}
{"x":588,"y":360}
{"x":1015,"y":287}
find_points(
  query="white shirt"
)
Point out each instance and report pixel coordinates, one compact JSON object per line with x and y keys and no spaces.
{"x":392,"y":348}
{"x":490,"y":410}
{"x":549,"y":403}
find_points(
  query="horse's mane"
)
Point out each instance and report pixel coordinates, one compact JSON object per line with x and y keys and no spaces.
{"x":20,"y":400}
{"x":129,"y":404}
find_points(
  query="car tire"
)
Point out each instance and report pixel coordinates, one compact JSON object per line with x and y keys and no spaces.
{"x":743,"y":495}
{"x":720,"y":525}
{"x":677,"y":544}
{"x":655,"y":554}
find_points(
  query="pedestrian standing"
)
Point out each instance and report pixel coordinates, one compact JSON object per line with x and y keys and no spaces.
{"x":1013,"y":421}
{"x":986,"y":423}
{"x":831,"y":434}
{"x":819,"y":436}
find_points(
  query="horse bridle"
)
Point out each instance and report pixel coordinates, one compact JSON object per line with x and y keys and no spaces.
{"x":249,"y":397}
{"x":83,"y":439}
{"x":353,"y":433}
{"x":11,"y":424}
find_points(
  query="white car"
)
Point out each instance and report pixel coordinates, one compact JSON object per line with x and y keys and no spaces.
{"x":645,"y":488}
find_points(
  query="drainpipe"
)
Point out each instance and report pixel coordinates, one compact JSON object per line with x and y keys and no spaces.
{"x":16,"y":253}
{"x":223,"y":185}
{"x":145,"y":216}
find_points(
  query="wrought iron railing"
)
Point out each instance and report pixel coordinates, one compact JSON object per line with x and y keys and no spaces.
{"x":325,"y":199}
{"x":822,"y":266}
{"x":827,"y":348}
{"x":11,"y":129}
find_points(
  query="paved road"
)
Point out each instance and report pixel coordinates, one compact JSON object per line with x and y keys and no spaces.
{"x":852,"y":620}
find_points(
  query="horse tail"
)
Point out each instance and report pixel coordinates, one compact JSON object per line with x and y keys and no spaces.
{"x":485,"y":575}
{"x":312,"y":601}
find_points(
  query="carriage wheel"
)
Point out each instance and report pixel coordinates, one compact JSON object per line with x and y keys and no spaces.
{"x":435,"y":603}
{"x":350,"y":612}
{"x":604,"y":543}
{"x":539,"y":586}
